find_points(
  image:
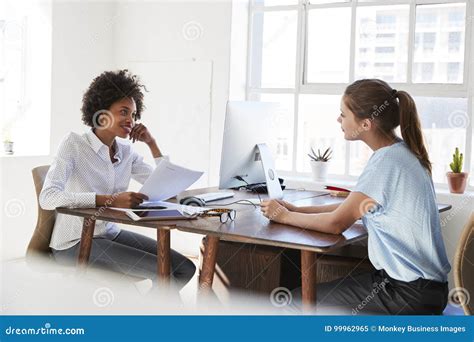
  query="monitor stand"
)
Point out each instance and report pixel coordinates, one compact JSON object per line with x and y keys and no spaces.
{"x":271,"y":178}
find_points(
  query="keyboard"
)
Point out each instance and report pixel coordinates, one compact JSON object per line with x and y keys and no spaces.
{"x":215,"y":196}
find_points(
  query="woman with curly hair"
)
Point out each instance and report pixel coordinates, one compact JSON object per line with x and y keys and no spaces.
{"x":94,"y":169}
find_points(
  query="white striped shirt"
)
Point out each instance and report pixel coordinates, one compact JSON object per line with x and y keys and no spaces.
{"x":81,"y":169}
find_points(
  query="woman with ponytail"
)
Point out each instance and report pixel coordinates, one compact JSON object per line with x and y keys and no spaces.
{"x":396,"y":200}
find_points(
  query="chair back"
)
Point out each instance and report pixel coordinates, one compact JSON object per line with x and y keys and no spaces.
{"x":39,"y":243}
{"x":464,"y":268}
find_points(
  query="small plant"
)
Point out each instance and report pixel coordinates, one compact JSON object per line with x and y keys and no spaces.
{"x":320,"y":157}
{"x":456,"y":165}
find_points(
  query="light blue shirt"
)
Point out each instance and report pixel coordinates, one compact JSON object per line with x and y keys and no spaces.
{"x":404,"y":228}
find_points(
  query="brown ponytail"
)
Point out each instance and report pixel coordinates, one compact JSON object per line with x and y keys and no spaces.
{"x":410,"y":128}
{"x":375,"y":100}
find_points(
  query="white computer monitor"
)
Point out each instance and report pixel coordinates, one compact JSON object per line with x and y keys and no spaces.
{"x":248,"y":136}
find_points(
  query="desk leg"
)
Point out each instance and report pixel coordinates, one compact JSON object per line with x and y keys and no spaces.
{"x":208,"y":263}
{"x":163,"y":253}
{"x":308,"y":279}
{"x":86,"y":241}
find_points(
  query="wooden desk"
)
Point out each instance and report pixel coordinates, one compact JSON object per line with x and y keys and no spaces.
{"x":250,"y":226}
{"x":110,"y":215}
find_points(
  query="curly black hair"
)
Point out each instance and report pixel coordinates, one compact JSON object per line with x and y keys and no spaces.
{"x":110,"y":87}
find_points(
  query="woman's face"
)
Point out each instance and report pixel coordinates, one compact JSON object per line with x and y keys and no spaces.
{"x":350,"y":124}
{"x":122,"y":117}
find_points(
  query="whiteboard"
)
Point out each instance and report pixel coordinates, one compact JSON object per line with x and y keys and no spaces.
{"x":178,"y":111}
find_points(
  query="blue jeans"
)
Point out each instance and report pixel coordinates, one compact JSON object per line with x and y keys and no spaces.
{"x":131,"y":254}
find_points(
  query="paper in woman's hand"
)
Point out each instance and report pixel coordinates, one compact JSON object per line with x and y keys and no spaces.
{"x":168,"y":180}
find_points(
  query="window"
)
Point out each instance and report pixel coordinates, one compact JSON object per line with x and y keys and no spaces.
{"x":430,"y":49}
{"x":454,"y":72}
{"x":25,"y":75}
{"x":454,"y":41}
{"x":283,"y":128}
{"x":456,"y":17}
{"x":418,"y":47}
{"x":429,"y":40}
{"x":274,"y":49}
{"x":384,"y":49}
{"x":382,"y":43}
{"x":318,"y":129}
{"x":330,"y":65}
{"x":444,"y":122}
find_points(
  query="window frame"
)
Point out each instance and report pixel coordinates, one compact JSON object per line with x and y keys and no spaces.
{"x":461,"y":90}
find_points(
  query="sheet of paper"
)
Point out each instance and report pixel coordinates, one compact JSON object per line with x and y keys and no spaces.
{"x":168,"y":180}
{"x":185,"y":209}
{"x":188,"y":209}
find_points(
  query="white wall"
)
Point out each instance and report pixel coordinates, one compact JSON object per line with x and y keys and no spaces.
{"x":238,"y":54}
{"x":180,"y":31}
{"x":195,"y":35}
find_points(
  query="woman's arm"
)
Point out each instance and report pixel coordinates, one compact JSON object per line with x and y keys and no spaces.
{"x":120,"y":200}
{"x":141,"y":133}
{"x":155,"y":150}
{"x":53,"y":194}
{"x":318,"y":209}
{"x":334,"y":222}
{"x":315,"y":209}
{"x":141,"y":170}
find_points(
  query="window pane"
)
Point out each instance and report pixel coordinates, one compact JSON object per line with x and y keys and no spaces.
{"x":274,"y":49}
{"x":275,"y":2}
{"x":12,"y":58}
{"x":283,"y":129}
{"x":382,"y":42}
{"x":439,"y":43}
{"x":444,"y":122}
{"x":318,"y":2}
{"x":327,"y":61}
{"x":318,"y":128}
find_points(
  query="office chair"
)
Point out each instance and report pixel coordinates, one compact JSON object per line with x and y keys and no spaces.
{"x":39,"y":243}
{"x":464,"y":268}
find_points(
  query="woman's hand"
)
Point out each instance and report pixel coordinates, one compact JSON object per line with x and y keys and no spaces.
{"x":287,"y":205}
{"x":127,"y":199}
{"x":141,"y":133}
{"x":274,"y":211}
